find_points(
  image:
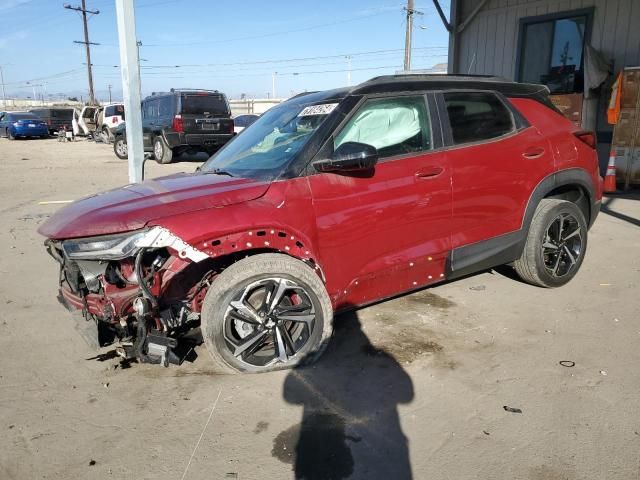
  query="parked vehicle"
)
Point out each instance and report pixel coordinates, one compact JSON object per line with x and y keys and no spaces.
{"x":84,"y":120}
{"x":22,"y":124}
{"x":329,"y":201}
{"x":55,"y":118}
{"x":185,"y":121}
{"x":109,"y":117}
{"x":120,"y":142}
{"x":243,"y":121}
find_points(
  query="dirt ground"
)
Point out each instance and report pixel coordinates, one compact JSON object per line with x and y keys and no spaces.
{"x":410,"y":388}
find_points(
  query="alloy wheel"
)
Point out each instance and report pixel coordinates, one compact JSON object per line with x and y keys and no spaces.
{"x":158,"y":149}
{"x":121,"y":147}
{"x":269,"y":322}
{"x":563,"y":245}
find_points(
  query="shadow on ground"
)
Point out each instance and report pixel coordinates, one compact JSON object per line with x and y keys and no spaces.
{"x":608,"y":207}
{"x":350,"y":424}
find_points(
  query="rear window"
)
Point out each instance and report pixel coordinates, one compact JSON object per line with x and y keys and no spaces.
{"x":23,"y":116}
{"x":62,"y":114}
{"x":114,"y":110}
{"x":210,"y":104}
{"x":477,"y":116}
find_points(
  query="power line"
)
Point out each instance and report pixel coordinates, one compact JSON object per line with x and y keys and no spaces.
{"x":86,"y":43}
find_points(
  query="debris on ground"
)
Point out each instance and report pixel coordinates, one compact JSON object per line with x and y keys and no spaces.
{"x":92,"y":462}
{"x":512,"y":409}
{"x":478,"y":288}
{"x":603,"y":372}
{"x":567,"y":363}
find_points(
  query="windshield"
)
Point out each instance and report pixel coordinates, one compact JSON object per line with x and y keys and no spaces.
{"x":268,"y":144}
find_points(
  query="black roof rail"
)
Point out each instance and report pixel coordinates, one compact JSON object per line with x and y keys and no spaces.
{"x":193,"y":90}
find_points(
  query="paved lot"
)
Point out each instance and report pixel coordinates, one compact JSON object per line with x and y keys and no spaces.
{"x":414,"y":386}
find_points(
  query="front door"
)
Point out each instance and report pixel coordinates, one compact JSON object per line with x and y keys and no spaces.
{"x":385,"y":231}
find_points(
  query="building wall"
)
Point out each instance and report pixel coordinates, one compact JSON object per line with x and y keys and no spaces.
{"x":489,"y":44}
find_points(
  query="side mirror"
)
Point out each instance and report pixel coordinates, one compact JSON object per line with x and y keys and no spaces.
{"x":349,"y":157}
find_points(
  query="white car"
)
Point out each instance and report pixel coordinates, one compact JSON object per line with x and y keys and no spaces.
{"x":109,"y":118}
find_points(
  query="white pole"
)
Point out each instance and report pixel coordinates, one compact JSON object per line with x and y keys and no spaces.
{"x":348,"y":57}
{"x":273,"y":81}
{"x":125,"y":14}
{"x":4,"y":96}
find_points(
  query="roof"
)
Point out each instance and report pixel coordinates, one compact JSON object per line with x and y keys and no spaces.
{"x":408,"y":82}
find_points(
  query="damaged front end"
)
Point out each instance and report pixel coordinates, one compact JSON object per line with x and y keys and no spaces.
{"x":142,"y":289}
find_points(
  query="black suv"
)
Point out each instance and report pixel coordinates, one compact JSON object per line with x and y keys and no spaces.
{"x":184,"y":120}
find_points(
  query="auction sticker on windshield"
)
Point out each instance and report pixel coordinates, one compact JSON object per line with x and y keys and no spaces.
{"x":324,"y":109}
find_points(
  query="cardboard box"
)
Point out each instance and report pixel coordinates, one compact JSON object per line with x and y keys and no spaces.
{"x":570,"y":104}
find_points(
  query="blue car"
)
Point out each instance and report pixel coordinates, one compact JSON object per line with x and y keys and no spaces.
{"x":22,"y":124}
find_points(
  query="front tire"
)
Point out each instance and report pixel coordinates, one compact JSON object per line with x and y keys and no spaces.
{"x":266,"y":312}
{"x":105,"y":135}
{"x":10,"y":135}
{"x":555,"y":246}
{"x":161,"y":151}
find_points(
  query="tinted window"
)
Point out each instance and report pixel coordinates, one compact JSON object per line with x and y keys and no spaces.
{"x":165,"y":106}
{"x":22,"y":116}
{"x":199,"y":104}
{"x":151,"y":109}
{"x":114,"y":110}
{"x":476,"y":116}
{"x":395,"y":126}
{"x":62,"y":114}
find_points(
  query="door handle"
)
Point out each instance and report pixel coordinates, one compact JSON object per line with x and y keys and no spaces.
{"x":533,"y":153}
{"x":428,"y":172}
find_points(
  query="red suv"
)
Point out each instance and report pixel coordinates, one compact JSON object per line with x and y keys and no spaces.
{"x":328,"y":201}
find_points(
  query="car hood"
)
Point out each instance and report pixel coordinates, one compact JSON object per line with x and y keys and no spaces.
{"x":131,"y":207}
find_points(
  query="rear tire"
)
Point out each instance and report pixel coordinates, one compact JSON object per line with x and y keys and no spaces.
{"x":120,"y":148}
{"x":292,"y":308}
{"x":555,"y":246}
{"x":161,"y":151}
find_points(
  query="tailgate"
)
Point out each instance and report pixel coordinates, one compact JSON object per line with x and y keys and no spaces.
{"x":202,"y":125}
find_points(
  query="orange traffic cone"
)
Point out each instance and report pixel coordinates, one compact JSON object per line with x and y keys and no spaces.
{"x":610,"y":177}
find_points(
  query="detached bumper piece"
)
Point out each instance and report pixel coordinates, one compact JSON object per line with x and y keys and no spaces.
{"x":159,"y":349}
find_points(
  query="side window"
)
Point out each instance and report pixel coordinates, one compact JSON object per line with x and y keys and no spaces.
{"x":151,"y":109}
{"x":109,"y":111}
{"x":395,"y":126}
{"x":164,"y":106}
{"x":477,"y":116}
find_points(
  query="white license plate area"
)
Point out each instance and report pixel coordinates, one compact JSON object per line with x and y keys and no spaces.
{"x":211,"y":126}
{"x":32,"y":125}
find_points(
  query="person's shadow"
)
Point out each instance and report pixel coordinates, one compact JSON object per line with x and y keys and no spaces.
{"x":350,"y":425}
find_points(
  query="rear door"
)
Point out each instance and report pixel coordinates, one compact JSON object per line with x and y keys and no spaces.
{"x":149,"y":121}
{"x":497,"y":159}
{"x":205,"y":112}
{"x":387,"y":231}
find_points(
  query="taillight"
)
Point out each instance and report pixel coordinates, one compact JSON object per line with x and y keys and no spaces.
{"x":177,"y":124}
{"x":589,"y":138}
{"x":114,"y":119}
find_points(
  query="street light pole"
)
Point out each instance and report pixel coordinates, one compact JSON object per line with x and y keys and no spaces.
{"x":4,"y":95}
{"x":273,"y":84}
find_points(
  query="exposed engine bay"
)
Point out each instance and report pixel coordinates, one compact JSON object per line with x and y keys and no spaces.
{"x":141,"y":290}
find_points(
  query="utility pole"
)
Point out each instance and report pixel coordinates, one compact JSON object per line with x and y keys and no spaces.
{"x":411,"y":11}
{"x":348,"y":57}
{"x":109,"y":93}
{"x":4,"y":95}
{"x":83,"y":9}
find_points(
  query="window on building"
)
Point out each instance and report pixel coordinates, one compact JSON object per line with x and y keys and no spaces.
{"x":552,"y":53}
{"x":477,"y":116}
{"x":395,"y":126}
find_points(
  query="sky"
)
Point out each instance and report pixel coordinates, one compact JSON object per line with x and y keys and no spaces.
{"x":234,"y":46}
